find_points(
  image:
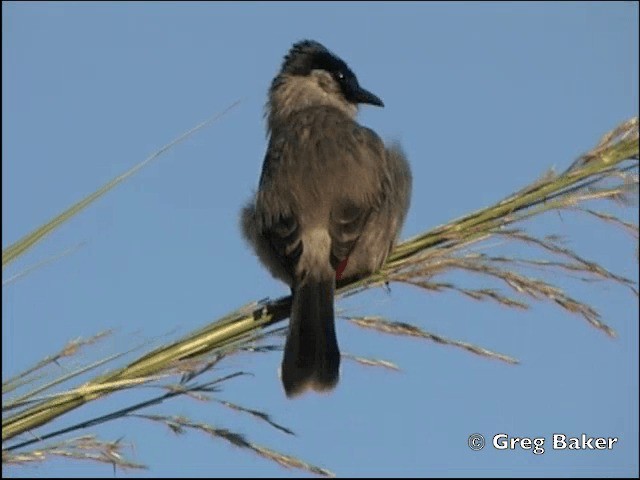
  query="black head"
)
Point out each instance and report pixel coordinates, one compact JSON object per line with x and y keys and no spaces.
{"x":308,"y":55}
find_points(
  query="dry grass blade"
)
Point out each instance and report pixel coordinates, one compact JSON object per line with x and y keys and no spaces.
{"x":180,"y":425}
{"x":68,"y":350}
{"x":522,"y":284}
{"x":475,"y":294}
{"x":256,"y":414}
{"x":86,"y":448}
{"x":581,"y":264}
{"x":371,"y":362}
{"x":407,"y":330}
{"x":42,"y":263}
{"x":606,"y":217}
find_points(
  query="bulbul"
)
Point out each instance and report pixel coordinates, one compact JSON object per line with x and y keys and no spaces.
{"x":330,"y":204}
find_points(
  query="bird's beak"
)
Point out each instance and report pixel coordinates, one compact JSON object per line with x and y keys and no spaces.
{"x":365,"y":96}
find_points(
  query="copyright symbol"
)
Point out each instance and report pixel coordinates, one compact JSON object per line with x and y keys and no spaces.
{"x":476,"y":441}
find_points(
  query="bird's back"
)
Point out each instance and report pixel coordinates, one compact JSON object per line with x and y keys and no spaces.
{"x":328,"y":159}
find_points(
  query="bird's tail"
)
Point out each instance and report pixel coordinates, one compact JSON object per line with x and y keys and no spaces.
{"x":311,"y":354}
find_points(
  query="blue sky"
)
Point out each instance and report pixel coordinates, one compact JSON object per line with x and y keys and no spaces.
{"x":485,"y":97}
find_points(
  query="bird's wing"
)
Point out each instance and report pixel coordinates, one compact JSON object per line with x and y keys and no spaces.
{"x":363,"y":191}
{"x":276,"y":215}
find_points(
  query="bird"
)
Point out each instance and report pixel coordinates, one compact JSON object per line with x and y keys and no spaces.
{"x":330,"y":204}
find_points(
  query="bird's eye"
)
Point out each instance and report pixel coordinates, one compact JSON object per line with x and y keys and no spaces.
{"x":340,"y":75}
